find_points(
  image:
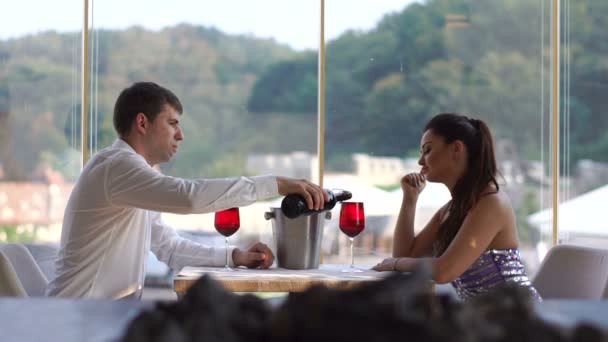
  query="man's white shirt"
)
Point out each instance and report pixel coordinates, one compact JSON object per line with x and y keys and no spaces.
{"x":113,"y":219}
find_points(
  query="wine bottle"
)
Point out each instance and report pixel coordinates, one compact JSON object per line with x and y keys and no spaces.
{"x":294,"y":205}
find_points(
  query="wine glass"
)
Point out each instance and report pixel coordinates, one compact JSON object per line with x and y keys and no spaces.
{"x":352,"y":222}
{"x":227,"y":222}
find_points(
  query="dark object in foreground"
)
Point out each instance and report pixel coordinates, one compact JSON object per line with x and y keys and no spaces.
{"x":397,"y":308}
{"x":206,"y":313}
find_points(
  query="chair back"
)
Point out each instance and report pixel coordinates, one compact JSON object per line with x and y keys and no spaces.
{"x":25,"y":268}
{"x":45,"y":256}
{"x":574,"y":272}
{"x":10,"y":285}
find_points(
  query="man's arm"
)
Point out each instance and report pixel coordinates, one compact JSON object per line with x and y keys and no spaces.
{"x":130,"y":182}
{"x":178,"y":252}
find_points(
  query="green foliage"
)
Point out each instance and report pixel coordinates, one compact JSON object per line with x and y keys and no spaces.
{"x":245,"y":95}
{"x":340,"y":162}
{"x":212,"y":74}
{"x":13,"y":233}
{"x":527,"y":233}
{"x":485,"y":58}
{"x":388,"y":188}
{"x":288,"y":86}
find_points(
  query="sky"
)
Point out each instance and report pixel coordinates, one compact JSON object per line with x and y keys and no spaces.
{"x":292,"y":22}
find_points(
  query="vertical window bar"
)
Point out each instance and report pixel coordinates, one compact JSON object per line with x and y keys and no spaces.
{"x":91,"y":114}
{"x":555,"y":104}
{"x":321,"y":94}
{"x":84,"y":127}
{"x":542,"y":100}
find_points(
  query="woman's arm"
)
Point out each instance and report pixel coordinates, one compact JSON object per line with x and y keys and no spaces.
{"x":420,"y":246}
{"x":479,"y":228}
{"x":482,"y":224}
{"x":405,"y":243}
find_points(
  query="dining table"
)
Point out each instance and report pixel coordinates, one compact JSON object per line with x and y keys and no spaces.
{"x":276,"y":279}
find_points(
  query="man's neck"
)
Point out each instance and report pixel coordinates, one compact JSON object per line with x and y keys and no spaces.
{"x":137,"y":146}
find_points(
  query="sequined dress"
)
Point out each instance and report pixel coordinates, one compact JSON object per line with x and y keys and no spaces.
{"x":493,"y":268}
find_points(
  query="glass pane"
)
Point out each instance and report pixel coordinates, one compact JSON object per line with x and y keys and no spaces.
{"x":486,"y":59}
{"x":232,"y":72}
{"x":584,"y":125}
{"x":39,"y":117}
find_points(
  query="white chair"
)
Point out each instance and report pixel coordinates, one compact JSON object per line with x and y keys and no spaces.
{"x":10,"y":286}
{"x":27,"y":272}
{"x":574,"y":272}
{"x":45,"y":256}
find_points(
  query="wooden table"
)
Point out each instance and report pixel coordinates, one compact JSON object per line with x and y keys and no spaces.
{"x":276,"y":279}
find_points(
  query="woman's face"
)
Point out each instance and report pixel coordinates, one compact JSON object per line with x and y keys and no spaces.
{"x":440,"y":161}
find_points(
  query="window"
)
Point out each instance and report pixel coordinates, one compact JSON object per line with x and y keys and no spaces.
{"x":231,"y":70}
{"x":584,"y":124}
{"x":486,"y":59}
{"x":40,"y":70}
{"x":248,"y":80}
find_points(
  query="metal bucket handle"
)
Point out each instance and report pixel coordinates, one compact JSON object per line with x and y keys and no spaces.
{"x":270,"y":215}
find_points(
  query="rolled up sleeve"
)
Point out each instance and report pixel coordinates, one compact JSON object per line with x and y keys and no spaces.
{"x":178,"y":252}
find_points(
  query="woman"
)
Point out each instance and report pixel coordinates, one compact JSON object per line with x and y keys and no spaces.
{"x":472,"y":240}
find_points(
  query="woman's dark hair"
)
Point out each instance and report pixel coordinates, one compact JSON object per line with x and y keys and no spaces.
{"x":481,"y":169}
{"x":142,"y":97}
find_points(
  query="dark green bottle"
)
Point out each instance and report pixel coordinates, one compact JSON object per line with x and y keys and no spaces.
{"x":294,"y":205}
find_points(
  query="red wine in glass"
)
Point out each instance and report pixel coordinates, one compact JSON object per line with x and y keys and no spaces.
{"x":227,"y":222}
{"x":352,"y":222}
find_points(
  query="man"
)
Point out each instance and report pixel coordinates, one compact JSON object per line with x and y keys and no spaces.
{"x":113,"y":217}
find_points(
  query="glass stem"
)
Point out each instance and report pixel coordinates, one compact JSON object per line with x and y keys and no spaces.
{"x":226,"y":252}
{"x":352,"y":253}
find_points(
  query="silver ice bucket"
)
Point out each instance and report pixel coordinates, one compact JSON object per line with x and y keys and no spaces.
{"x":298,"y":241}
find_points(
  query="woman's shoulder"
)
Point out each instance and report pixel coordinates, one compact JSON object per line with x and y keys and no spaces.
{"x":495,"y":200}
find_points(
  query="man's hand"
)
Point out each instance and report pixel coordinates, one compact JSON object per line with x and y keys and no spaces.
{"x":314,"y":195}
{"x":258,"y":255}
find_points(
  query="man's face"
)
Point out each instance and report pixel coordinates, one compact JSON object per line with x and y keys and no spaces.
{"x":163,"y":136}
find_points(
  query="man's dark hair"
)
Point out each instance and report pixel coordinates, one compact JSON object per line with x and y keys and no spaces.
{"x":142,"y":97}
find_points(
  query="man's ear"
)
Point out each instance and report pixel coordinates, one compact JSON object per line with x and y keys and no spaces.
{"x":141,"y":123}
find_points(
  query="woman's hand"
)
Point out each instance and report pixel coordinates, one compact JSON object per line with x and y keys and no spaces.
{"x":412,"y":185}
{"x":388,"y":264}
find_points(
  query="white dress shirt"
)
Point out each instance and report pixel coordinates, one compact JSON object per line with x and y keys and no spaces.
{"x":112,"y":220}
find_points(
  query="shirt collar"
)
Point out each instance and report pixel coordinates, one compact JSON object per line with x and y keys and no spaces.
{"x":121,"y":144}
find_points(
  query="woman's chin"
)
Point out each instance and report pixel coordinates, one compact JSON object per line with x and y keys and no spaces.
{"x":431,"y":178}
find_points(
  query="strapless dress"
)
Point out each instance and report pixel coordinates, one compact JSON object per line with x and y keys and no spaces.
{"x":494,"y":268}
